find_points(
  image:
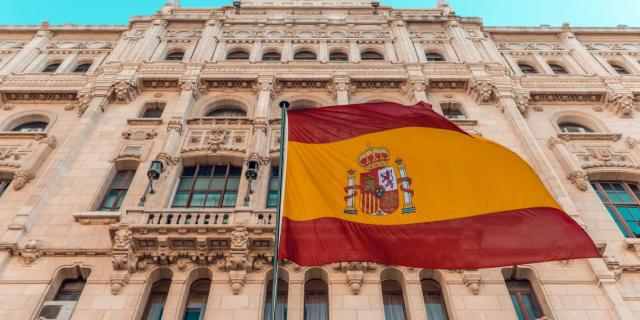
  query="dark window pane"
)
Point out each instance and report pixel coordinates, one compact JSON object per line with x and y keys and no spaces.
{"x":338,"y":57}
{"x":516,"y":305}
{"x":35,"y":126}
{"x":153,"y":110}
{"x":229,"y":199}
{"x":197,"y":199}
{"x":233,"y":183}
{"x":4,"y":184}
{"x":557,"y":69}
{"x":527,"y":69}
{"x":271,"y":56}
{"x":51,"y":67}
{"x":83,"y":68}
{"x":304,"y":55}
{"x":432,"y":57}
{"x":238,"y":55}
{"x":180,"y":199}
{"x":202,"y":183}
{"x":109,"y":200}
{"x":371,"y":55}
{"x":175,"y":56}
{"x":272,"y":199}
{"x":185,"y":183}
{"x":213,"y":200}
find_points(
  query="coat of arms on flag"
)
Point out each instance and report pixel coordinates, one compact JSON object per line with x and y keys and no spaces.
{"x":379,"y":185}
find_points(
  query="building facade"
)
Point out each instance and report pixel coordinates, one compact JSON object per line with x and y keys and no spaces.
{"x":85,"y":110}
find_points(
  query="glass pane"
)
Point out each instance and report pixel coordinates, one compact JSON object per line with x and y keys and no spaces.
{"x":315,"y":306}
{"x":229,"y":199}
{"x":185,"y":183}
{"x":188,"y":171}
{"x":122,"y":194}
{"x":599,"y":194}
{"x":393,"y":306}
{"x":273,"y":184}
{"x":235,"y":171}
{"x":435,"y":311}
{"x":180,"y":199}
{"x":217,"y":184}
{"x":192,"y":314}
{"x":635,"y":228}
{"x":155,"y":311}
{"x":220,"y":171}
{"x":516,"y":305}
{"x":202,"y":184}
{"x":213,"y":200}
{"x":197,"y":199}
{"x":615,"y":218}
{"x":109,"y":200}
{"x":233,"y":183}
{"x":205,"y":171}
{"x":272,"y":200}
{"x":529,"y":303}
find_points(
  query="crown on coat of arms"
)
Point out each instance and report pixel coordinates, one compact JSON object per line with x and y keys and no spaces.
{"x":374,"y":157}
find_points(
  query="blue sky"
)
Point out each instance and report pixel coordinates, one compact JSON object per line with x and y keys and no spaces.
{"x":600,"y":13}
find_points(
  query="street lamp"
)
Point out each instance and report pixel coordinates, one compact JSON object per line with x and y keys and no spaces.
{"x":153,"y":173}
{"x":375,"y":5}
{"x":251,"y":174}
{"x":236,"y":4}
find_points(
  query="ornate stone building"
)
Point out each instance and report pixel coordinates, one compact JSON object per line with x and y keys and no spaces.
{"x":84,"y":110}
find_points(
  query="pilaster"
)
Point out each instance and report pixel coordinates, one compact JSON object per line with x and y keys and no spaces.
{"x":28,"y":53}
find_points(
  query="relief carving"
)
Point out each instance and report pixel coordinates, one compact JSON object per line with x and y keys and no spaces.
{"x":621,"y":105}
{"x":355,"y":273}
{"x":522,"y":102}
{"x":483,"y":91}
{"x":122,"y":92}
{"x":31,"y":251}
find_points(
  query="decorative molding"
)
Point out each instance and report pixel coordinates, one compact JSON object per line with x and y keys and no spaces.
{"x":355,"y":273}
{"x":56,"y":96}
{"x":621,"y":105}
{"x":522,"y":102}
{"x":162,"y":84}
{"x":567,"y":97}
{"x":282,"y":85}
{"x":483,"y":91}
{"x":226,"y":84}
{"x":31,"y":251}
{"x":605,"y":157}
{"x":471,"y":279}
{"x":579,"y":179}
{"x":593,"y":136}
{"x":379,"y":85}
{"x":122,"y":92}
{"x":139,"y":134}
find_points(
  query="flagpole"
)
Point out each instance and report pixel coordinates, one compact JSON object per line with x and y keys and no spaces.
{"x":274,"y":280}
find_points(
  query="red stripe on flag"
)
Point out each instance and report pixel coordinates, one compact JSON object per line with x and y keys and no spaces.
{"x":330,"y":124}
{"x":491,"y":240}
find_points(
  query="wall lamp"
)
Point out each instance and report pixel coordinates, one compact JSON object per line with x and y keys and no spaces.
{"x":375,"y":5}
{"x":251,"y":174}
{"x":236,"y":4}
{"x":153,"y":173}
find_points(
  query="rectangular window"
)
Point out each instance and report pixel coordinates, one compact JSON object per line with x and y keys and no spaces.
{"x":272,"y":194}
{"x":524,"y":300}
{"x":452,"y":111}
{"x":153,"y":110}
{"x":117,"y":191}
{"x":208,"y":186}
{"x":4,"y":185}
{"x":622,"y":202}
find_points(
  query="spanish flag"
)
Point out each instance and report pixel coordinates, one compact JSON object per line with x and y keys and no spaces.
{"x":402,"y":185}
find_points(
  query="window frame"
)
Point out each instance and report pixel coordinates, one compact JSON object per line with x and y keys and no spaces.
{"x":153,"y":105}
{"x":169,"y":57}
{"x":343,"y":56}
{"x":49,"y":66}
{"x":439,"y":292}
{"x":453,"y":106}
{"x":271,"y":55}
{"x":434,"y":57}
{"x":32,"y":123}
{"x":208,"y":191}
{"x":4,"y":185}
{"x":533,"y":70}
{"x":226,"y":108}
{"x":75,"y":69}
{"x":365,"y":52}
{"x":555,"y":67}
{"x":283,"y":291}
{"x":305,"y":54}
{"x":612,"y":206}
{"x":230,"y":54}
{"x":156,"y":286}
{"x":519,"y":292}
{"x":387,"y":293}
{"x":121,"y":192}
{"x":274,"y":174}
{"x":618,"y":69}
{"x":315,"y":292}
{"x":563,"y":125}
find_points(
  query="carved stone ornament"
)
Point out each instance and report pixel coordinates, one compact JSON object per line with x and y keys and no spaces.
{"x":482,"y":91}
{"x":175,"y":125}
{"x":622,"y":105}
{"x":31,"y":251}
{"x":238,"y":262}
{"x":580,"y":179}
{"x":471,"y":279}
{"x":522,"y":102}
{"x":190,"y":86}
{"x":123,"y":92}
{"x":614,"y":266}
{"x":141,"y":134}
{"x":216,"y":139}
{"x":604,"y":157}
{"x":166,"y":159}
{"x":123,"y":259}
{"x":84,"y":98}
{"x":355,"y":273}
{"x":21,"y":178}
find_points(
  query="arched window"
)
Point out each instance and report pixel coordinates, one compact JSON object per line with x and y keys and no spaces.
{"x":50,"y":68}
{"x":433,"y":300}
{"x":434,"y":57}
{"x":281,"y":300}
{"x":619,"y":69}
{"x":338,"y":57}
{"x":452,"y":111}
{"x":393,"y":300}
{"x":304,"y":55}
{"x":70,"y":290}
{"x":558,"y":69}
{"x":316,"y":300}
{"x":527,"y":69}
{"x":82,"y":68}
{"x":33,"y":126}
{"x":153,"y":110}
{"x":208,"y":186}
{"x":117,"y":190}
{"x":65,"y":291}
{"x":524,"y":300}
{"x":175,"y":56}
{"x":271,"y":56}
{"x":238,"y":55}
{"x":226,"y":112}
{"x":157,"y":299}
{"x":197,"y":300}
{"x":371,"y":55}
{"x":622,"y":200}
{"x":572,"y":127}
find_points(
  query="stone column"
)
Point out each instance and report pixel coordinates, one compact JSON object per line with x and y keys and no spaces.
{"x":390,"y":51}
{"x":28,"y":53}
{"x":92,"y":104}
{"x":295,"y":300}
{"x":354,"y":51}
{"x":403,"y":41}
{"x":175,"y":297}
{"x":287,"y":55}
{"x":581,"y":54}
{"x":208,"y":41}
{"x":575,"y":174}
{"x":465,"y":48}
{"x":176,"y":128}
{"x":323,"y":51}
{"x":341,"y":88}
{"x":259,"y":145}
{"x":67,"y":64}
{"x":147,"y":46}
{"x":542,"y":63}
{"x":256,"y":51}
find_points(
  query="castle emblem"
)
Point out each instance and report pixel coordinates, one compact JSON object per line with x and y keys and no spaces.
{"x":380,"y":185}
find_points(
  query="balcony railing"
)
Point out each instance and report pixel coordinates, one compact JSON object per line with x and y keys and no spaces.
{"x":204,"y":217}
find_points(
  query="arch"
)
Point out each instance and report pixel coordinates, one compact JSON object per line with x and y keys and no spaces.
{"x":434,"y":56}
{"x":394,"y":294}
{"x":174,"y":55}
{"x":316,"y":294}
{"x":226,"y":108}
{"x":434,"y":294}
{"x":153,"y":280}
{"x":82,"y":67}
{"x":557,"y":68}
{"x":578,"y":118}
{"x":282,"y":294}
{"x":517,"y":279}
{"x":24,"y":118}
{"x":371,"y":55}
{"x":196,"y":289}
{"x":305,"y":54}
{"x":51,"y":67}
{"x":618,"y":67}
{"x":338,"y":55}
{"x":66,"y":285}
{"x":238,"y":54}
{"x":526,"y":68}
{"x":271,"y":55}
